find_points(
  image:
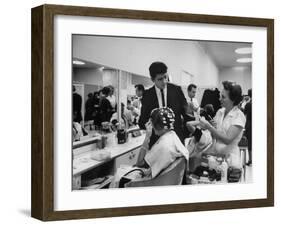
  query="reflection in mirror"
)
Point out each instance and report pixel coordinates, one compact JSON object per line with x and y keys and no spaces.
{"x":135,"y":92}
{"x":94,"y":98}
{"x":104,"y":99}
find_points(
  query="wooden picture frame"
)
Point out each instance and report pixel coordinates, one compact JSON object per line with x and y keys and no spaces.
{"x":43,"y":111}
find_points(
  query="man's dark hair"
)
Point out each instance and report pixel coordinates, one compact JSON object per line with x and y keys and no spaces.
{"x":157,"y":68}
{"x":234,"y":92}
{"x":140,"y":87}
{"x":96,"y":93}
{"x":106,"y":90}
{"x":191,"y":86}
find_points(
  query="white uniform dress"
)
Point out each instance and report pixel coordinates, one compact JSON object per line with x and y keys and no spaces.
{"x":234,"y":118}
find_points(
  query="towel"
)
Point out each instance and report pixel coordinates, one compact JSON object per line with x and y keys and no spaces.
{"x":165,"y":151}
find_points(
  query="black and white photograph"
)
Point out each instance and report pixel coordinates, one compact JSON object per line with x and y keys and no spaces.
{"x":150,"y":112}
{"x":160,"y":112}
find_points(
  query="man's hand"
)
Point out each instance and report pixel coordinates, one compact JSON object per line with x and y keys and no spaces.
{"x":148,"y":127}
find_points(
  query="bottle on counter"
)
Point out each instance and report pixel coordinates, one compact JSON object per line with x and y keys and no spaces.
{"x":223,"y":168}
{"x":129,"y":137}
{"x":121,"y":135}
{"x":102,"y":142}
{"x":212,"y":162}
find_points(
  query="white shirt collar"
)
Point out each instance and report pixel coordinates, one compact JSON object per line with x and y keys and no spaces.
{"x":158,"y":90}
{"x":232,"y":111}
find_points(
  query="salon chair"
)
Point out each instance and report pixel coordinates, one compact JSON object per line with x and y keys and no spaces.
{"x":172,"y":175}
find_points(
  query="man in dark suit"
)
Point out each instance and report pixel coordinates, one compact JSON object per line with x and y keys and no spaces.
{"x":77,"y":104}
{"x":163,"y":94}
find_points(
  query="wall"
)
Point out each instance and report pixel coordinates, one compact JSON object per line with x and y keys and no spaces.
{"x":95,"y":77}
{"x":16,"y":124}
{"x":88,"y":76}
{"x":131,"y":55}
{"x":241,"y":76}
{"x":137,"y":79}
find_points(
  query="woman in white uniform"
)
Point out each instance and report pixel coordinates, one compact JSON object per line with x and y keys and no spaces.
{"x":228,"y":124}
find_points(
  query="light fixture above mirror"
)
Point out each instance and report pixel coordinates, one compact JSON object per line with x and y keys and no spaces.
{"x":78,"y":62}
{"x":244,"y":60}
{"x":245,"y":50}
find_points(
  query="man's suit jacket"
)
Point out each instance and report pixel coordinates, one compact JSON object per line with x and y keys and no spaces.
{"x":77,"y":104}
{"x":175,"y":100}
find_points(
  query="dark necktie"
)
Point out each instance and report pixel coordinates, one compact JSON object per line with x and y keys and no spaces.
{"x":163,"y":99}
{"x":192,"y":112}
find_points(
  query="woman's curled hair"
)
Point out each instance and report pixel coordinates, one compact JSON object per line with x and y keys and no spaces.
{"x":163,"y":118}
{"x":234,"y":91}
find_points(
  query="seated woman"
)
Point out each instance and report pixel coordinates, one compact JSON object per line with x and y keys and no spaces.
{"x":164,"y":152}
{"x":228,"y":124}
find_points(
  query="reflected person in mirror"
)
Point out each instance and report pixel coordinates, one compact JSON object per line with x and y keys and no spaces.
{"x":77,"y":104}
{"x":105,"y":106}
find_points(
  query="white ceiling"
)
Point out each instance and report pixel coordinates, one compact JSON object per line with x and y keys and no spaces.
{"x":223,"y":53}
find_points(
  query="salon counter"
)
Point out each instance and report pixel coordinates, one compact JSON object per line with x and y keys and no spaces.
{"x":84,"y":162}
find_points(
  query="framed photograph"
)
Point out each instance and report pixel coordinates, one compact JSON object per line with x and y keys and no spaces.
{"x":144,"y":112}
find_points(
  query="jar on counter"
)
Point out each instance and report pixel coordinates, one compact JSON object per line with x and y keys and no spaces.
{"x":121,"y":136}
{"x":111,"y":139}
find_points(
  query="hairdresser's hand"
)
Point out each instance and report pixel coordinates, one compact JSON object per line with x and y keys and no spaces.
{"x":213,"y":123}
{"x":204,"y":124}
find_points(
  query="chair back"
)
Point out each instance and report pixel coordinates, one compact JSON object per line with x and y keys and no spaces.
{"x":172,"y":175}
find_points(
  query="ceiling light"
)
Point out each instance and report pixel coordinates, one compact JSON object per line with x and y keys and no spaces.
{"x":244,"y":60}
{"x":246,"y":50}
{"x":78,"y":62}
